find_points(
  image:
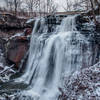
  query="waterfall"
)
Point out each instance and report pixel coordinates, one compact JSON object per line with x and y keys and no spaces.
{"x":53,"y":56}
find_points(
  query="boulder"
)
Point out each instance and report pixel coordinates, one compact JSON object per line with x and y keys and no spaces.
{"x":16,"y":49}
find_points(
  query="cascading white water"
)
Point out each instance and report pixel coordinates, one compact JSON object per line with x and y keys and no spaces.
{"x":53,"y":57}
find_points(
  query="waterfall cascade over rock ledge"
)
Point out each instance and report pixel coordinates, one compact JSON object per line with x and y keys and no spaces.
{"x":53,"y":57}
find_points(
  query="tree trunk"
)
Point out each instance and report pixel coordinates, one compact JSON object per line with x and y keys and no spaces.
{"x":15,"y":3}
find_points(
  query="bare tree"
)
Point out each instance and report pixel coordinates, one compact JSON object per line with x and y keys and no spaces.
{"x":13,"y":5}
{"x":17,"y":4}
{"x":32,"y":5}
{"x":68,"y":5}
{"x":51,"y":6}
{"x":9,"y":5}
{"x":81,"y":5}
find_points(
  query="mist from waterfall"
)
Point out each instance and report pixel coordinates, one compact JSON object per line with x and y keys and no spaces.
{"x":53,"y":56}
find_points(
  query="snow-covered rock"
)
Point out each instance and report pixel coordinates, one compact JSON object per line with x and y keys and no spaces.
{"x":84,"y":85}
{"x":98,"y":18}
{"x":29,"y":21}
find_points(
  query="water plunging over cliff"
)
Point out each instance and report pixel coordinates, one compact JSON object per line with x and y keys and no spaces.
{"x":53,"y":56}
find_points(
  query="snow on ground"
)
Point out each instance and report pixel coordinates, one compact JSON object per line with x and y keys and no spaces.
{"x":29,"y":21}
{"x":84,"y":85}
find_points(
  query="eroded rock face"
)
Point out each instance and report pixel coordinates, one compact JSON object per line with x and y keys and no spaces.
{"x":16,"y":49}
{"x":2,"y":44}
{"x":9,"y":21}
{"x":84,"y":85}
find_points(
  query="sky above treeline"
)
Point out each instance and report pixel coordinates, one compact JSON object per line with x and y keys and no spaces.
{"x":60,"y":3}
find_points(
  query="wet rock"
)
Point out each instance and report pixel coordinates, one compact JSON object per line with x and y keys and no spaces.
{"x":28,"y":31}
{"x":1,"y":68}
{"x":84,"y":85}
{"x":16,"y":49}
{"x":2,"y":44}
{"x":98,"y":28}
{"x":9,"y":21}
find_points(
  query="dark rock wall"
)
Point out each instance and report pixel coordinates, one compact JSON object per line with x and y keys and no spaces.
{"x":9,"y":22}
{"x":16,"y":50}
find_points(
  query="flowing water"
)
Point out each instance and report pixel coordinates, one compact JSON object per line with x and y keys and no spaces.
{"x":53,"y":56}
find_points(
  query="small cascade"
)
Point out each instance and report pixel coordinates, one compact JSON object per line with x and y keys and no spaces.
{"x":53,"y":57}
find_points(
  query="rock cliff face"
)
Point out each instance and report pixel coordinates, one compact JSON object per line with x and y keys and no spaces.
{"x":13,"y":38}
{"x":12,"y":52}
{"x":8,"y":22}
{"x":16,"y":49}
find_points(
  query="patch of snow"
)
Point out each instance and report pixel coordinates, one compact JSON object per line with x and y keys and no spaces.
{"x":98,"y":18}
{"x":29,"y":21}
{"x":80,"y":97}
{"x":6,"y":73}
{"x":1,"y":65}
{"x":22,"y":17}
{"x":17,"y":35}
{"x":98,"y":91}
